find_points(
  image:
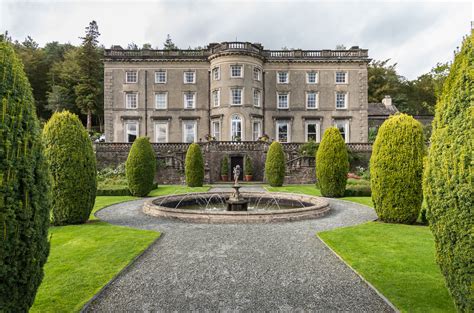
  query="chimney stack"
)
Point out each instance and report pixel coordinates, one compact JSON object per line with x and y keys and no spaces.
{"x":387,"y":101}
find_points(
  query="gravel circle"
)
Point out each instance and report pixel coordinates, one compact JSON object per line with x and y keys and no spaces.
{"x":238,"y":267}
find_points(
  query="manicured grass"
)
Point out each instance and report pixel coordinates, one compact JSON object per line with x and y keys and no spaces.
{"x":399,"y":260}
{"x":176,"y":189}
{"x":313,"y":191}
{"x":84,"y":258}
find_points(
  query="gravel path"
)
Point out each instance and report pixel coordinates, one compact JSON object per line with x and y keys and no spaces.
{"x":238,"y":267}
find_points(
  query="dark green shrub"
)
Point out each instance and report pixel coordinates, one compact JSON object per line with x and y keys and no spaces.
{"x":225,"y":165}
{"x":140,"y":167}
{"x":248,"y":166}
{"x":309,"y":149}
{"x":275,"y":165}
{"x":194,"y":167}
{"x":24,"y":189}
{"x":396,"y":168}
{"x":332,"y":164}
{"x":73,"y":169}
{"x":448,"y":179}
{"x":114,"y":192}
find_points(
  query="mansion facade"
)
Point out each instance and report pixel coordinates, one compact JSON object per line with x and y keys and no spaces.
{"x":235,"y":91}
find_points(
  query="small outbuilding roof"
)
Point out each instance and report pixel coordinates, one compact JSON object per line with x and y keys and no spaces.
{"x":380,"y":109}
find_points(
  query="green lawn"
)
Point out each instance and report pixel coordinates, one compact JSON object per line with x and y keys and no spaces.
{"x":83,"y":258}
{"x":399,"y":260}
{"x":313,"y":191}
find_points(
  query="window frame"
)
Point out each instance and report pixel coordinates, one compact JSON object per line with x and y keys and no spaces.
{"x":318,"y":130}
{"x":259,"y":102}
{"x":218,"y":92}
{"x":184,"y":77}
{"x":217,"y":70}
{"x":257,"y":71}
{"x":346,"y":128}
{"x":127,"y":106}
{"x":287,"y":77}
{"x":185,"y":100}
{"x":241,"y":119}
{"x":167,"y":131}
{"x":288,"y":131}
{"x":126,"y":77}
{"x":316,"y":79}
{"x":346,"y":77}
{"x":213,"y":130}
{"x":156,"y":100}
{"x":346,"y":100}
{"x":259,"y":133}
{"x":232,"y":96}
{"x":287,"y":100}
{"x":186,"y":122}
{"x":316,"y":100}
{"x":159,"y":72}
{"x":127,"y":124}
{"x":232,"y":71}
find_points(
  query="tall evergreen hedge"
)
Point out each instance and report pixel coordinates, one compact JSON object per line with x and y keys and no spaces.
{"x":194,"y":166}
{"x":73,"y":168}
{"x":332,"y":164}
{"x":140,"y":167}
{"x":24,"y":189}
{"x":275,"y":166}
{"x":448,"y":179}
{"x":396,"y":170}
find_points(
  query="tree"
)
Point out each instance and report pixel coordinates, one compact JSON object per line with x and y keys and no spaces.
{"x":140,"y":167}
{"x":89,"y":90}
{"x":448,"y":179}
{"x":24,"y":189}
{"x":73,"y":167}
{"x":147,"y":46}
{"x":383,"y":80}
{"x":332,"y":164}
{"x":168,"y":44}
{"x":396,"y":168}
{"x":194,"y":166}
{"x":275,"y":165}
{"x":58,"y":99}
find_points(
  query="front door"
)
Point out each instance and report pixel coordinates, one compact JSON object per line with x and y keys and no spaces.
{"x":234,"y":161}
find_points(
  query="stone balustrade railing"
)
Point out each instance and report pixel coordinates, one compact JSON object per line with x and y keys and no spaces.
{"x":243,"y":47}
{"x":166,"y":148}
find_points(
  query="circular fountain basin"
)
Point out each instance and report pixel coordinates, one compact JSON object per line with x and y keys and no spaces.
{"x":263,"y":207}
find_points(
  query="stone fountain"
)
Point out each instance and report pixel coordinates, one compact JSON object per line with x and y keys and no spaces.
{"x":236,"y":202}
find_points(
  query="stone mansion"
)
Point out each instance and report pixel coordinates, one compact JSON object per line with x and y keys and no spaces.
{"x":235,"y":91}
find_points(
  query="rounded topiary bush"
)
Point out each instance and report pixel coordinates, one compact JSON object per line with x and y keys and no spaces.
{"x":396,"y":169}
{"x":140,"y":167}
{"x":194,"y":167}
{"x":24,"y":189}
{"x":448,"y":179}
{"x":73,"y":169}
{"x":332,"y":164}
{"x":275,"y":165}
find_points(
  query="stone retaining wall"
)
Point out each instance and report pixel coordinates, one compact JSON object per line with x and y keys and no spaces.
{"x":171,"y":156}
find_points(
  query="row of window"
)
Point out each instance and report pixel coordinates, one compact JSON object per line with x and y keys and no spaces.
{"x":236,"y":71}
{"x":236,"y":98}
{"x":282,"y":130}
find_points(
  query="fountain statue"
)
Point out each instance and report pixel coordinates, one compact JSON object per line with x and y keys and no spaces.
{"x":236,"y":202}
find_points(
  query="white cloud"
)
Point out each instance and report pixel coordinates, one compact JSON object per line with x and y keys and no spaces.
{"x":416,"y":35}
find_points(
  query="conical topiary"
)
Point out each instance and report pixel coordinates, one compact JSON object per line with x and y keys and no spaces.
{"x":24,"y":189}
{"x":140,"y":167}
{"x":448,"y":179}
{"x":275,"y":166}
{"x":396,"y":170}
{"x":73,"y":167}
{"x":194,"y":167}
{"x":332,"y":164}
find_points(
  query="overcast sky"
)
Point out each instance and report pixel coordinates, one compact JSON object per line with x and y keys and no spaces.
{"x":416,"y":35}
